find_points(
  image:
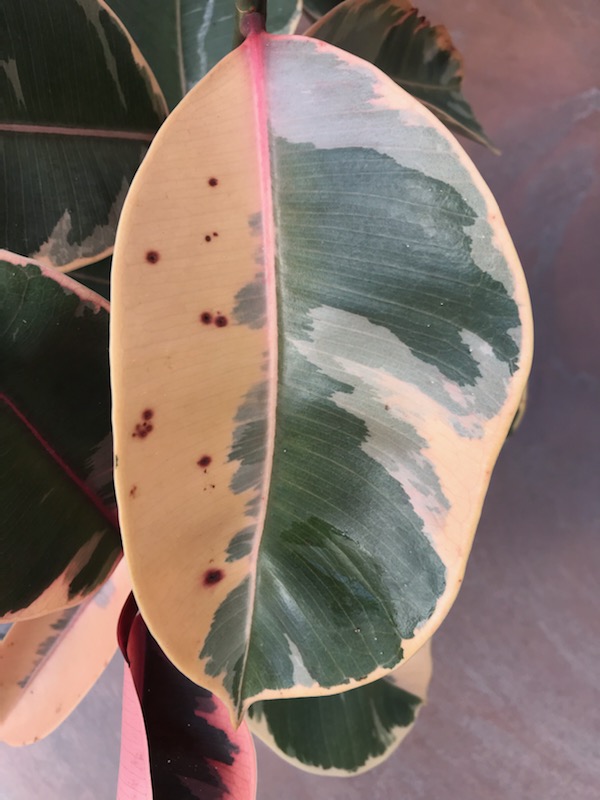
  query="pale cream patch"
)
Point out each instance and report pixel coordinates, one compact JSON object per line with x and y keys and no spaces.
{"x":12,"y":73}
{"x":67,"y":671}
{"x":300,"y":676}
{"x":92,"y":12}
{"x":57,"y":252}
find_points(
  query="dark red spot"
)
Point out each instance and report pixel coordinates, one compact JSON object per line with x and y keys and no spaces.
{"x":212,"y":181}
{"x":215,"y":233}
{"x":220,"y":321}
{"x":204,"y":461}
{"x":207,"y":238}
{"x":142,"y":429}
{"x":212,"y":576}
{"x":147,"y":413}
{"x":152,"y":256}
{"x":206,"y":317}
{"x":132,"y":491}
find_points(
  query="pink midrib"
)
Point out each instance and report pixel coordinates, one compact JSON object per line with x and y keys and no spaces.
{"x":47,"y":447}
{"x":255,"y":46}
{"x":93,"y":133}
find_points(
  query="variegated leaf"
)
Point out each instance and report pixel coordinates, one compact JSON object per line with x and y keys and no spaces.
{"x":184,"y":746}
{"x":348,"y":733}
{"x":419,"y":57}
{"x":79,"y":107}
{"x":49,"y":664}
{"x":184,"y":39}
{"x":59,"y":537}
{"x":320,"y":336}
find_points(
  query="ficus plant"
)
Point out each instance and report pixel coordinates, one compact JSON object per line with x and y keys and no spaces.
{"x":320,"y":336}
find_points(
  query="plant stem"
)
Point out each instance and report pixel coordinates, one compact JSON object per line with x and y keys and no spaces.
{"x":251,"y":16}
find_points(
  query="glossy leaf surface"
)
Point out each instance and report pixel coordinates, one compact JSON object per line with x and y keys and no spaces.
{"x":184,"y":39}
{"x":78,"y":110}
{"x":320,"y":336}
{"x":49,"y":664}
{"x":192,"y":749}
{"x":347,"y":733}
{"x":59,"y":538}
{"x":419,"y":57}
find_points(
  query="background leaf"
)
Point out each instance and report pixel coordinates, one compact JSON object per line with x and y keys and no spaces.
{"x":95,"y":276}
{"x":347,"y":733}
{"x":79,"y":110}
{"x":193,"y":750}
{"x":184,"y":39}
{"x":315,"y":365}
{"x":59,"y":539}
{"x":317,"y":8}
{"x":50,"y":663}
{"x":419,"y":57}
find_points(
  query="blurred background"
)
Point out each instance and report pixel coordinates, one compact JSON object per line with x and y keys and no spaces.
{"x":514,"y":708}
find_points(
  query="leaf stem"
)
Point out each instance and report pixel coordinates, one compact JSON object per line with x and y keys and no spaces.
{"x":251,"y":17}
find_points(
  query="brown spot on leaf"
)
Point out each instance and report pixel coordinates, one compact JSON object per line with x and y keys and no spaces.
{"x":212,"y":576}
{"x":152,"y":256}
{"x":143,"y":428}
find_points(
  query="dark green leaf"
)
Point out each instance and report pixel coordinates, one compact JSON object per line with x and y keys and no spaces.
{"x":419,"y":57}
{"x":183,"y":39}
{"x":79,"y":108}
{"x":340,"y":732}
{"x":349,"y":732}
{"x":59,"y":537}
{"x":96,"y":276}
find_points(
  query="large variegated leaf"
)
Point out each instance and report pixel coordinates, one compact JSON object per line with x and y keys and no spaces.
{"x":78,"y":109}
{"x":347,"y":733}
{"x":178,"y":742}
{"x":320,"y":336}
{"x":184,"y":39}
{"x":420,"y":58}
{"x":48,"y":664}
{"x":59,"y":537}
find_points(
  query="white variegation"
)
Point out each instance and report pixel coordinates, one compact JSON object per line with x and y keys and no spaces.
{"x":320,"y":116}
